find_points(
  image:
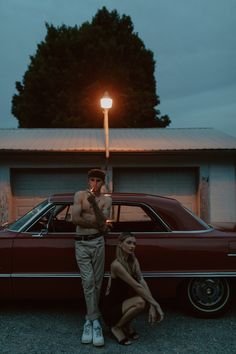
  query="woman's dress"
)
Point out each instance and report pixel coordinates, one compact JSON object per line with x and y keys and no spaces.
{"x":111,"y":307}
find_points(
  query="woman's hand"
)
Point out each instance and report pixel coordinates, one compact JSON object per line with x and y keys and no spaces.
{"x":152,"y":315}
{"x":160,"y":313}
{"x":155,"y":314}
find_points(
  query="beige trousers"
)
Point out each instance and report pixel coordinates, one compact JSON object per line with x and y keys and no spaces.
{"x":90,"y":257}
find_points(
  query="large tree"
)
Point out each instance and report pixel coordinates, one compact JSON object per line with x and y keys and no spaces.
{"x":73,"y":67}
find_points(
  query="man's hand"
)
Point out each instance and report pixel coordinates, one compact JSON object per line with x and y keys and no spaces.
{"x":100,"y":218}
{"x":91,"y":198}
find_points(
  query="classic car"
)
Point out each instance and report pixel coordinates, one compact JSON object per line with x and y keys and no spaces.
{"x":180,"y":255}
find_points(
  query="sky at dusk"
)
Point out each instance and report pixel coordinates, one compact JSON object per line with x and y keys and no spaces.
{"x":193,"y":41}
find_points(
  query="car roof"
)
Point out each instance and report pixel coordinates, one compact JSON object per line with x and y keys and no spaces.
{"x":127,"y":197}
{"x":169,"y":209}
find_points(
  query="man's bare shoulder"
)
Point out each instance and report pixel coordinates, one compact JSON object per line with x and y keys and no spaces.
{"x":80,"y":195}
{"x":108,"y":199}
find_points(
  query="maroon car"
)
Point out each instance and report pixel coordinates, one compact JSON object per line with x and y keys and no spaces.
{"x":180,"y":255}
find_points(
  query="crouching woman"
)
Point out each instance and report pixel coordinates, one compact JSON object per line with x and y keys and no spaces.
{"x":119,"y":307}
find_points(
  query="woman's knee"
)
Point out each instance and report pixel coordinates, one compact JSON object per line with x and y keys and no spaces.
{"x":140,"y":303}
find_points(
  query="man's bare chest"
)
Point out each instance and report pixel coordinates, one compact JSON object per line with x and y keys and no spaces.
{"x":88,"y":207}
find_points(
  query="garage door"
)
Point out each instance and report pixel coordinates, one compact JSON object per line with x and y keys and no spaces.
{"x":29,"y":187}
{"x":178,"y":183}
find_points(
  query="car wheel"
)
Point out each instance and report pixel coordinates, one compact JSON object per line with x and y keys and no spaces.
{"x":207,"y":297}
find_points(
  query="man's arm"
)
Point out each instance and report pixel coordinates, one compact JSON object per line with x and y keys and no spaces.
{"x":101,"y":214}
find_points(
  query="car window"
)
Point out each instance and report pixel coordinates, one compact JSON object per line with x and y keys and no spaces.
{"x":133,"y":213}
{"x":134,"y":218}
{"x":181,"y":219}
{"x":18,"y":224}
{"x":57,"y":220}
{"x":41,"y":223}
{"x":61,"y":220}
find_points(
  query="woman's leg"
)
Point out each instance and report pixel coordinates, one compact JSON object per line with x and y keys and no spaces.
{"x":130,"y":309}
{"x":130,"y":331}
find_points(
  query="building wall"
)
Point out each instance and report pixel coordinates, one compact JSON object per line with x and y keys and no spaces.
{"x":222,"y":192}
{"x":5,"y":194}
{"x":215,"y":176}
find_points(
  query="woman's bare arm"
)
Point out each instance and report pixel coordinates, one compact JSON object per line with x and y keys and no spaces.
{"x":119,"y":271}
{"x":153,"y":309}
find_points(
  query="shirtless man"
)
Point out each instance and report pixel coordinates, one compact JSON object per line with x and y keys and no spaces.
{"x":90,"y":211}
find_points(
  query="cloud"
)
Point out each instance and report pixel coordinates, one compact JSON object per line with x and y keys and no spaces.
{"x":215,"y":108}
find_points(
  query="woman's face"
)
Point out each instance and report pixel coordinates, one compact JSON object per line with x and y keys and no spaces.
{"x":128,"y":245}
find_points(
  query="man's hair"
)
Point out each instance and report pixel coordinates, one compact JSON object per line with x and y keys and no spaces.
{"x":95,"y":172}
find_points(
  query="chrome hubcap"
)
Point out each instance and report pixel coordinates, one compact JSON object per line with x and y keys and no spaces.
{"x":208,"y":294}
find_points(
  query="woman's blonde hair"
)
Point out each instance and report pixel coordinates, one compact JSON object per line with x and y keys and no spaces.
{"x":130,"y":263}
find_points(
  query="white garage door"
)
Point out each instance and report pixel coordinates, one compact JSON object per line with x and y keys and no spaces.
{"x":178,"y":183}
{"x":30,"y":187}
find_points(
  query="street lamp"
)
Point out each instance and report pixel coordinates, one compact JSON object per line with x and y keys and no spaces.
{"x":106,"y":104}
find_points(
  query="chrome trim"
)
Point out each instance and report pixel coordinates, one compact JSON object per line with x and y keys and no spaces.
{"x":159,"y":218}
{"x":107,"y":274}
{"x":231,"y":254}
{"x":193,"y":231}
{"x":173,"y":232}
{"x":45,"y":275}
{"x":183,"y":274}
{"x":187,"y":274}
{"x":197,"y":218}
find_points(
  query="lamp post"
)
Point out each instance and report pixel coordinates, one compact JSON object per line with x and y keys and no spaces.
{"x":106,"y":104}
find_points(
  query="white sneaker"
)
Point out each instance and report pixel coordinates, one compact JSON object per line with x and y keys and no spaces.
{"x":98,"y":339}
{"x":87,"y":336}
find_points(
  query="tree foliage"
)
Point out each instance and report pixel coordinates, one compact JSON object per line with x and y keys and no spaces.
{"x":73,"y":67}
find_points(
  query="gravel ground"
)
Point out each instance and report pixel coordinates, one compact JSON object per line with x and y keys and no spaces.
{"x":54,"y":328}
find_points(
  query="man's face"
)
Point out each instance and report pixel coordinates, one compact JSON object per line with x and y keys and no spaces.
{"x":95,"y":184}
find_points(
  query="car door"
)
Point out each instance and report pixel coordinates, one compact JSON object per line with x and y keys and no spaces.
{"x":6,"y":241}
{"x":182,"y":253}
{"x":162,"y":252}
{"x":138,"y":219}
{"x":44,"y":262}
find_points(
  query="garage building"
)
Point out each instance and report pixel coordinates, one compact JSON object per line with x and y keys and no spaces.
{"x":195,"y":166}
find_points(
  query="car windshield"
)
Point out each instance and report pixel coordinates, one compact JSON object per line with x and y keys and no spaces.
{"x":16,"y":226}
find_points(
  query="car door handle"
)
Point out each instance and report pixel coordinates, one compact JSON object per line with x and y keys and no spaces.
{"x":231,"y":254}
{"x":37,"y":235}
{"x":42,"y":233}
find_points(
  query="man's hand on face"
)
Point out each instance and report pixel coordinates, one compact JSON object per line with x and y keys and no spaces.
{"x":91,"y":198}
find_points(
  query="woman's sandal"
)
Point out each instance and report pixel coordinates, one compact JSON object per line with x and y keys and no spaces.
{"x":131,"y":334}
{"x":123,"y":341}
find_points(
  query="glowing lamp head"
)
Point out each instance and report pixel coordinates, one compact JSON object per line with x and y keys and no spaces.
{"x":106,"y":101}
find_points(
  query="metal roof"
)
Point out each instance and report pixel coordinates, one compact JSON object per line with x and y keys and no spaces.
{"x":121,"y":140}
